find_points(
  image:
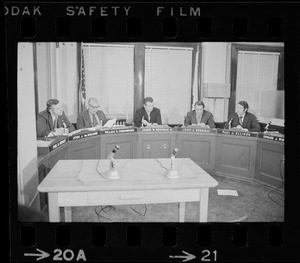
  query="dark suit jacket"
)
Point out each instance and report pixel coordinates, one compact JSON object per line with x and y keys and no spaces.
{"x":44,"y":123}
{"x":207,"y":118}
{"x":84,"y":120}
{"x":155,"y":116}
{"x":250,"y":122}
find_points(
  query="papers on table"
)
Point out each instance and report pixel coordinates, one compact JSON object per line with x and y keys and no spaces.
{"x":110,"y":123}
{"x":227,"y":192}
{"x":41,"y":143}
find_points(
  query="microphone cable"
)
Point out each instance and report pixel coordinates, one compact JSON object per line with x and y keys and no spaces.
{"x":159,"y":161}
{"x":107,"y":209}
{"x":139,"y":212}
{"x":97,"y":170}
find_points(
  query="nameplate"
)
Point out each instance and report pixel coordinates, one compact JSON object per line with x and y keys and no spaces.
{"x":271,"y":137}
{"x":58,"y":144}
{"x":83,"y":135}
{"x":156,"y":129}
{"x":197,"y":130}
{"x":118,"y":131}
{"x":237,"y":133}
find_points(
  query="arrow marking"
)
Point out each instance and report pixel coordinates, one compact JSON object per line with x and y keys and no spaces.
{"x":186,"y":258}
{"x":40,"y":256}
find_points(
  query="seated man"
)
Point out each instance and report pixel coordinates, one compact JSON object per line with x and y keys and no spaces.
{"x":147,"y":115}
{"x":242,"y":119}
{"x":91,"y":117}
{"x":53,"y":121}
{"x":199,"y":116}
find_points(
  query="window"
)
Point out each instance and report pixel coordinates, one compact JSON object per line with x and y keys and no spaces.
{"x":168,"y":72}
{"x":109,"y":78}
{"x":257,"y":74}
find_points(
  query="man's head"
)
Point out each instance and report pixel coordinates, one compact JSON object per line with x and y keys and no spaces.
{"x":148,"y":104}
{"x":199,"y":107}
{"x":93,"y":105}
{"x":242,"y":107}
{"x":54,"y":107}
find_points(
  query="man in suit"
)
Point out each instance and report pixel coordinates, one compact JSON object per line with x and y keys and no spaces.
{"x":53,"y":121}
{"x":147,"y":115}
{"x":92,"y":117}
{"x":199,"y":116}
{"x":242,"y":119}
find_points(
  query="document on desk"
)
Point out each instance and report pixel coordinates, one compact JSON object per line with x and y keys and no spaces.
{"x":42,"y":143}
{"x":227,"y":192}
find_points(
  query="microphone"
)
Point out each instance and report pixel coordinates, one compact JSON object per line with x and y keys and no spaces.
{"x":229,"y":123}
{"x":64,"y":124}
{"x":114,"y":150}
{"x":267,"y":126}
{"x":172,"y":173}
{"x":112,"y":172}
{"x":174,"y":152}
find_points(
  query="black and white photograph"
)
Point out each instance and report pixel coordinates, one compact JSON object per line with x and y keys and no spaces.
{"x":150,"y":132}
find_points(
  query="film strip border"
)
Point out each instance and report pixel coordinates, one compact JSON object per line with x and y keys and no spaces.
{"x":152,"y":242}
{"x":149,"y":22}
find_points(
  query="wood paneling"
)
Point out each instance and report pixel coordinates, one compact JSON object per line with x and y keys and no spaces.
{"x":236,"y":155}
{"x":88,"y":148}
{"x":156,"y":142}
{"x":127,"y":143}
{"x":269,"y":168}
{"x":199,"y":147}
{"x":60,"y":153}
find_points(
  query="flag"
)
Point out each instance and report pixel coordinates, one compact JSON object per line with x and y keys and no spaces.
{"x":82,"y":88}
{"x":195,"y":80}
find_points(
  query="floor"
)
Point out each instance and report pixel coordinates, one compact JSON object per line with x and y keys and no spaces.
{"x":253,"y":204}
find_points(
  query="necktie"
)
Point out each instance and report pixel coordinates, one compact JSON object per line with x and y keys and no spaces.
{"x":241,"y":120}
{"x":198,"y":119}
{"x":95,"y":123}
{"x":55,"y":123}
{"x":148,"y":116}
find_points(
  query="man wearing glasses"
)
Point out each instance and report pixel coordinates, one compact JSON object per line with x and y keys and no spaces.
{"x":92,"y":117}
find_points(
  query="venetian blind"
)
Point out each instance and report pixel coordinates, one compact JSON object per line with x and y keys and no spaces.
{"x":168,"y":74}
{"x":256,"y":72}
{"x":110,"y":78}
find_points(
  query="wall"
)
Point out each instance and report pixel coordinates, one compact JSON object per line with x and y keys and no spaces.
{"x":215,"y":78}
{"x":27,"y":150}
{"x":58,"y":77}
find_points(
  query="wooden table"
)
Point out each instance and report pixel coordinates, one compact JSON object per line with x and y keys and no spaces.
{"x":143,"y":181}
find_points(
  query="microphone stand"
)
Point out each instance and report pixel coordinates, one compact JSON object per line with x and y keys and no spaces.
{"x":229,"y":124}
{"x":112,"y":173}
{"x":172,"y":173}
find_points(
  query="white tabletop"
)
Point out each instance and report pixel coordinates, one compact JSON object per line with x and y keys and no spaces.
{"x":136,"y":174}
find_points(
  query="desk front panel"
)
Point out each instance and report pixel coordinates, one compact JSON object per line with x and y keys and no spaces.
{"x":199,"y":147}
{"x":85,"y":148}
{"x":229,"y":155}
{"x":235,"y":155}
{"x":128,"y":197}
{"x":161,"y":144}
{"x":127,"y":143}
{"x":269,"y":168}
{"x":60,"y":153}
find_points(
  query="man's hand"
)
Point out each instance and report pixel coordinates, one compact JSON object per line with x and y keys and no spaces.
{"x":154,"y":124}
{"x":239,"y":127}
{"x":202,"y":124}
